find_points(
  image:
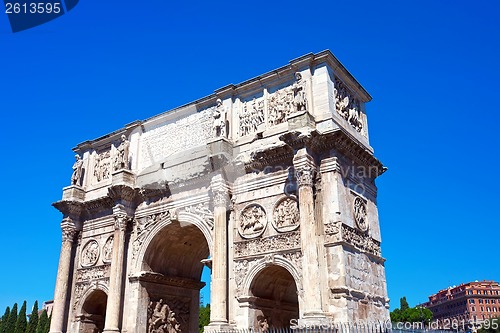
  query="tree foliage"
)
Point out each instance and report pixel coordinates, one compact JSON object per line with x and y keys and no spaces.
{"x":411,"y":315}
{"x":4,"y":320}
{"x":204,"y":318}
{"x":21,"y":322}
{"x":42,"y":322}
{"x":11,"y":323}
{"x":33,"y":322}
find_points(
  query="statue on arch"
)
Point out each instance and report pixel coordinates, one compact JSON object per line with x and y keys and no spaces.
{"x":77,"y":171}
{"x":121,"y":157}
{"x":219,"y":124}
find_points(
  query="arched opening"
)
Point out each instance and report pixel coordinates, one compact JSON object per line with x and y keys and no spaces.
{"x":274,"y":299}
{"x":93,"y":312}
{"x":172,"y":279}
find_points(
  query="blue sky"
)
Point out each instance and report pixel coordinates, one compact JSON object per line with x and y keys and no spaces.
{"x":431,"y":66}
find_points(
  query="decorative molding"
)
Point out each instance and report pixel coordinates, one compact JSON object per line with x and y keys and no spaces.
{"x":121,"y":221}
{"x":338,"y":232}
{"x":305,"y":175}
{"x":92,"y":273}
{"x":276,"y":243}
{"x":253,"y":221}
{"x":202,"y":210}
{"x":89,"y":254}
{"x":286,"y":215}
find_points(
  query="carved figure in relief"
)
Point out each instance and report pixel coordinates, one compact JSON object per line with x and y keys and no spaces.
{"x":251,"y":116}
{"x":347,"y":106}
{"x":121,"y":157}
{"x":107,"y":250}
{"x":90,"y":253}
{"x":263,"y":324}
{"x":286,"y":215}
{"x":252,"y":220}
{"x":102,"y":166}
{"x":219,"y":124}
{"x":360,"y":214}
{"x":77,"y":171}
{"x":299,"y":94}
{"x":161,"y":318}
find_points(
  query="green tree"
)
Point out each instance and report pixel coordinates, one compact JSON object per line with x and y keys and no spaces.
{"x":11,"y":323}
{"x":21,"y":322}
{"x":42,"y":322}
{"x":403,"y":304}
{"x":47,"y":325}
{"x":33,"y":322}
{"x":204,"y":318}
{"x":396,"y":315}
{"x":5,"y":319}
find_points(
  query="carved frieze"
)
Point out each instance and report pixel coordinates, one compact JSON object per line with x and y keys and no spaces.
{"x":253,"y":221}
{"x":169,"y":315}
{"x":286,"y":215}
{"x":347,"y":106}
{"x":339,"y":232}
{"x":92,"y":273}
{"x":102,"y":166}
{"x":89,"y":254}
{"x":82,"y":287}
{"x":360,"y":213}
{"x":143,"y":226}
{"x":286,"y":101}
{"x":107,"y":250}
{"x":251,"y":116}
{"x":277,"y":243}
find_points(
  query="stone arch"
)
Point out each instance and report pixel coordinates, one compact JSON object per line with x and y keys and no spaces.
{"x":267,"y":261}
{"x":92,"y":309}
{"x":181,"y":217}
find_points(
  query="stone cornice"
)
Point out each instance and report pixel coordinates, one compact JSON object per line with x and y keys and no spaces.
{"x":167,"y":280}
{"x":70,"y":208}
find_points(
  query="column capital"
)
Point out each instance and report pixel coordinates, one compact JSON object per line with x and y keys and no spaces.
{"x":122,"y":219}
{"x":305,"y":175}
{"x":69,"y":230}
{"x":220,"y":191}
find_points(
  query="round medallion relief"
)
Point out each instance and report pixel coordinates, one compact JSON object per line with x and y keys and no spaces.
{"x":107,"y":250}
{"x":253,"y":221}
{"x":286,"y":215}
{"x":360,"y":214}
{"x":90,"y":253}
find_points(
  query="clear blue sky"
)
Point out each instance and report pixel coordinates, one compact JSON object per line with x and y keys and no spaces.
{"x":432,"y":68}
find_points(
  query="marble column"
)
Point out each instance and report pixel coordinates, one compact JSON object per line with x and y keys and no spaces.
{"x":331,"y":178}
{"x":61,"y":303}
{"x":113,"y":307}
{"x":219,"y":284}
{"x":305,"y":169}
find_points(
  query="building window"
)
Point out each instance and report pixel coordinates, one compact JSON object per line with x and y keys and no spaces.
{"x":482,"y":310}
{"x":480,"y":301}
{"x":471,"y":301}
{"x":487,"y":301}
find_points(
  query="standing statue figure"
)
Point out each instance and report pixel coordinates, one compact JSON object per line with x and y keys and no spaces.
{"x":77,"y":171}
{"x":121,"y":157}
{"x":219,"y":125}
{"x":299,"y":94}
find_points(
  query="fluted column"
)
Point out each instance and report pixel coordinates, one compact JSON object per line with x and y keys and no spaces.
{"x":219,"y":286}
{"x":113,"y":307}
{"x":305,"y":172}
{"x":61,"y":304}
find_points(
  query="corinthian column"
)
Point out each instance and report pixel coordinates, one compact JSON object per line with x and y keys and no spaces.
{"x":113,"y":307}
{"x":61,"y":304}
{"x":218,"y":292}
{"x":305,"y":172}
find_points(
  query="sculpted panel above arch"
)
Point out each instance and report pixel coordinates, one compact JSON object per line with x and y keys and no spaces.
{"x":252,"y":221}
{"x":286,"y":215}
{"x":89,"y":254}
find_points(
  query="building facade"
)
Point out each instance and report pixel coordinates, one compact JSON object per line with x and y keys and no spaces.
{"x":270,"y":183}
{"x":466,"y":303}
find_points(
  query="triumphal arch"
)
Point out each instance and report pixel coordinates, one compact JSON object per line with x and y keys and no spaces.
{"x":269,"y":183}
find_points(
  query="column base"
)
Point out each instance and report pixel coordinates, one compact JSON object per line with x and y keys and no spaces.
{"x":218,"y":327}
{"x":111,"y":330}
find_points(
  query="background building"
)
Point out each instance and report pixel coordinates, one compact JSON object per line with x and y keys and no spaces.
{"x":473,"y":301}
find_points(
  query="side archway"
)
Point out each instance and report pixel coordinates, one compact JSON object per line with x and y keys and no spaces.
{"x":272,"y":287}
{"x":92,"y":310}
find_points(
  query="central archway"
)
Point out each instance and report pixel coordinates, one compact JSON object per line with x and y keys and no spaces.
{"x":172,"y":266}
